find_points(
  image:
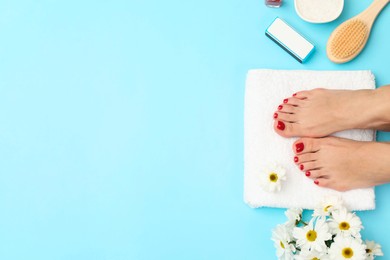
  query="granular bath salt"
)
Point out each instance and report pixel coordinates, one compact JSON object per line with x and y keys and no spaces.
{"x":319,"y":11}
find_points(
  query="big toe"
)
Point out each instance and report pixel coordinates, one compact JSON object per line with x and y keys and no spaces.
{"x":287,"y":129}
{"x":306,"y":145}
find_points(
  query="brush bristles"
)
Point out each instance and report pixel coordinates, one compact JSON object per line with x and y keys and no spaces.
{"x":348,"y":39}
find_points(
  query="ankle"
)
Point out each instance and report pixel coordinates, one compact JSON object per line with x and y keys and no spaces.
{"x":380,"y":107}
{"x":375,"y":156}
{"x":363,"y":109}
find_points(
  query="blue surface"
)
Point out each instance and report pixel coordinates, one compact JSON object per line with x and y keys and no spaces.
{"x":121,"y":133}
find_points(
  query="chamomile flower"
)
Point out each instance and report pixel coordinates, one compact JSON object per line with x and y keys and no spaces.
{"x":329,"y":204}
{"x":313,"y":236}
{"x":311,"y":255}
{"x":347,"y":247}
{"x":271,"y":178}
{"x":345,"y":223}
{"x":294,"y":215}
{"x":373,"y":249}
{"x":282,"y":238}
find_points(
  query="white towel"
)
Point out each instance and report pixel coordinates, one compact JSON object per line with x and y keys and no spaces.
{"x":265,"y":90}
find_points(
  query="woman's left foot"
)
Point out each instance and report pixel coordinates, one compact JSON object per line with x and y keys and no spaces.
{"x":321,"y":112}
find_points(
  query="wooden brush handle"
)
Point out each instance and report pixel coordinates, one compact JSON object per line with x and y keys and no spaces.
{"x":369,"y":15}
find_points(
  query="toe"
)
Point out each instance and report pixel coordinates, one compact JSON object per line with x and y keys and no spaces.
{"x":287,"y":129}
{"x":306,"y":145}
{"x":286,"y":117}
{"x":287,"y":108}
{"x":323,"y":182}
{"x":302,"y":94}
{"x":309,"y":166}
{"x":326,"y":182}
{"x":315,"y":174}
{"x":306,"y":157}
{"x":292,"y":101}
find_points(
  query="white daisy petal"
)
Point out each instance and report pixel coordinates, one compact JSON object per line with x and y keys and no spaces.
{"x":373,"y":249}
{"x":345,"y":223}
{"x":313,"y":236}
{"x":271,"y":178}
{"x":293,"y":215}
{"x":311,"y":254}
{"x":329,"y":204}
{"x":282,"y":238}
{"x":347,"y":247}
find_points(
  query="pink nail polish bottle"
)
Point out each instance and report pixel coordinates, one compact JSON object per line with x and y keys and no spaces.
{"x":273,"y":3}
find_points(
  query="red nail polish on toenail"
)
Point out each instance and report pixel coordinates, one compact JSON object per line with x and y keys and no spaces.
{"x":299,"y":147}
{"x":307,"y":173}
{"x":316,"y":182}
{"x":301,"y":167}
{"x":285,"y":100}
{"x":275,"y":115}
{"x":294,"y":94}
{"x":281,"y":125}
{"x":295,"y":159}
{"x":280,"y":107}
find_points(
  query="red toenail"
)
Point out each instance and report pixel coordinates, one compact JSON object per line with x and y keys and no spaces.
{"x":280,"y":107}
{"x":301,"y":167}
{"x":299,"y":147}
{"x":294,"y":94}
{"x":307,"y":173}
{"x":316,"y":182}
{"x":281,"y":125}
{"x":285,"y":100}
{"x":295,"y":159}
{"x":275,"y":115}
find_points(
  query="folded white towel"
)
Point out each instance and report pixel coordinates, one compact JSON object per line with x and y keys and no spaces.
{"x":265,"y":90}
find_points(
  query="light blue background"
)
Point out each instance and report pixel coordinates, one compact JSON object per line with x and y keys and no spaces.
{"x":121,"y":126}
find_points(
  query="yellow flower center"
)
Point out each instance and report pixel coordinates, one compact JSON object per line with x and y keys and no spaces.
{"x":311,"y":235}
{"x":344,"y":225}
{"x":273,"y":177}
{"x":368,"y":251}
{"x":282,"y":245}
{"x":327,"y":208}
{"x":315,"y":258}
{"x":347,"y":252}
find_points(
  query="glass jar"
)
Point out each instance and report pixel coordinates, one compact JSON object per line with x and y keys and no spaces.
{"x":273,"y":3}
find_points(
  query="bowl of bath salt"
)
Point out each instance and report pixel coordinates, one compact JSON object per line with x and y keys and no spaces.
{"x":319,"y":11}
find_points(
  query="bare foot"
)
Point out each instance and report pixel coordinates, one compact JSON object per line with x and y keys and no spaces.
{"x":343,"y":164}
{"x":320,"y":112}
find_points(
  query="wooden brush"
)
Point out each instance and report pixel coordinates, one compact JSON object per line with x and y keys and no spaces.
{"x":349,"y":38}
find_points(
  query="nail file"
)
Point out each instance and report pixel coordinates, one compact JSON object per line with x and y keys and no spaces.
{"x":290,"y":40}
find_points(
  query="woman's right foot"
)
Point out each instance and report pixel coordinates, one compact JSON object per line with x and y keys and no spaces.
{"x":321,"y":112}
{"x":343,"y":164}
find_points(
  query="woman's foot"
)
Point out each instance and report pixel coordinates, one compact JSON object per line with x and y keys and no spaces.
{"x":320,"y":112}
{"x":343,"y":164}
